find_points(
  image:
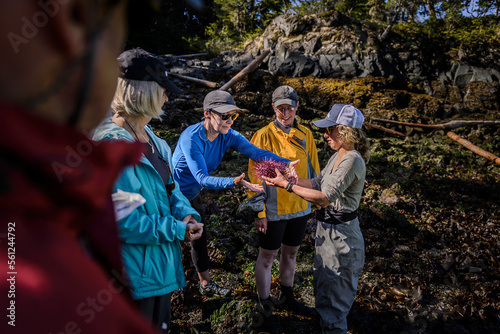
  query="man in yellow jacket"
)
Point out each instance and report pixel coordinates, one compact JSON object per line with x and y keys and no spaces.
{"x":282,"y":223}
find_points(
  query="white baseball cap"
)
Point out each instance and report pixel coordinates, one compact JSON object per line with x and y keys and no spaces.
{"x":344,"y":114}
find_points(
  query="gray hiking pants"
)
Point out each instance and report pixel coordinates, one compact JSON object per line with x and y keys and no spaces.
{"x":339,"y":258}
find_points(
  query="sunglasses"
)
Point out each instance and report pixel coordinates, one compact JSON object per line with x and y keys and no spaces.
{"x":226,"y":116}
{"x":329,"y":129}
{"x":283,"y":110}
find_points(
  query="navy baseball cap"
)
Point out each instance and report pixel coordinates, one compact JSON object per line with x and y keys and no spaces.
{"x":138,"y":64}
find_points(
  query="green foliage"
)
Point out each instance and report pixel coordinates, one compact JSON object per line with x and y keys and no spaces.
{"x":476,"y":35}
{"x":221,"y":38}
{"x":231,"y":314}
{"x":238,"y":20}
{"x":445,"y":38}
{"x":226,"y":24}
{"x":377,"y":11}
{"x":354,"y":8}
{"x":307,"y":7}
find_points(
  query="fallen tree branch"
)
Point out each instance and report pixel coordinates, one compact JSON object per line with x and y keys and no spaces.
{"x":473,"y":148}
{"x":190,"y":55}
{"x":200,"y":67}
{"x":378,"y":127}
{"x":249,"y":68}
{"x":207,"y":83}
{"x":444,"y":126}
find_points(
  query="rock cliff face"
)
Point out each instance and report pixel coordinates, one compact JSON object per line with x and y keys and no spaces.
{"x":341,"y":47}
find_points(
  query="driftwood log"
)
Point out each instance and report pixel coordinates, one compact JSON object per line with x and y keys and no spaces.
{"x":378,"y":127}
{"x":473,"y":148}
{"x":444,"y":126}
{"x":452,"y":135}
{"x":190,"y":55}
{"x":249,"y":68}
{"x":207,"y":83}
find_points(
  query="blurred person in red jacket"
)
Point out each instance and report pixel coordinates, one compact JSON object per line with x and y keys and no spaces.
{"x":61,"y":269}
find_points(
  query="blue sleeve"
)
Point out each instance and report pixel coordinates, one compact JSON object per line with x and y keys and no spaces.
{"x":198,"y":167}
{"x":244,"y":146}
{"x":142,"y":228}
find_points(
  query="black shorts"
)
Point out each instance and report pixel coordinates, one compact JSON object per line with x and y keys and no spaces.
{"x":287,"y":232}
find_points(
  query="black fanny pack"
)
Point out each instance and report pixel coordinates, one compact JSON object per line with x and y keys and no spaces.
{"x":330,"y":216}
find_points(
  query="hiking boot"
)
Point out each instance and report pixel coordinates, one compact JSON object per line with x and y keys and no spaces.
{"x":268,"y":326}
{"x":214,"y":289}
{"x":263,"y":320}
{"x":287,"y":300}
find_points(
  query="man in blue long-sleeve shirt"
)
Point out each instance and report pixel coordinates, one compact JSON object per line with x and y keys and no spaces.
{"x":199,"y":151}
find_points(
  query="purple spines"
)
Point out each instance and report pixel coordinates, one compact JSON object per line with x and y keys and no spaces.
{"x":267,"y":168}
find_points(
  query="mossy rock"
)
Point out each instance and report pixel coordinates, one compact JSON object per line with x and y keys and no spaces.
{"x":235,"y":316}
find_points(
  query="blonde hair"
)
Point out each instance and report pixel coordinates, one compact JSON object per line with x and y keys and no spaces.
{"x":138,"y":98}
{"x":357,"y":138}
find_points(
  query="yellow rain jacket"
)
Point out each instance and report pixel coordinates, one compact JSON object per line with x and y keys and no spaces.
{"x":280,"y":204}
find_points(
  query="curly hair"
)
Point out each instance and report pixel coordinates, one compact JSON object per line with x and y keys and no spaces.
{"x":357,"y":138}
{"x":138,"y":98}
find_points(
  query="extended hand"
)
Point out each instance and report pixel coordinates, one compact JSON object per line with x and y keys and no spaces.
{"x":278,"y":181}
{"x":239,"y":181}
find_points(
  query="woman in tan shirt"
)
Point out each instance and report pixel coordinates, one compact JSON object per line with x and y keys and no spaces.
{"x":339,"y":249}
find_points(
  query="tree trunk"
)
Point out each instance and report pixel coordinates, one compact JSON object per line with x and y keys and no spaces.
{"x":249,"y":68}
{"x":430,"y":9}
{"x":391,"y":23}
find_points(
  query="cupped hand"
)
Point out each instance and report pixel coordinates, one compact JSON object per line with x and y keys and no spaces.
{"x":193,"y":230}
{"x":261,"y":225}
{"x":291,"y":172}
{"x":278,"y":181}
{"x":255,"y":187}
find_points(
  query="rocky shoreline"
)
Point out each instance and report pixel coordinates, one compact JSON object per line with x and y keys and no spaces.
{"x":430,"y":213}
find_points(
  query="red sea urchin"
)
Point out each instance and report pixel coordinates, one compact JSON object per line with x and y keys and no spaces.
{"x":267,"y":168}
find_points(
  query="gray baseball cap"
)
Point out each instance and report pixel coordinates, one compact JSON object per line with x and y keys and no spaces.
{"x":220,"y":101}
{"x":285,"y":95}
{"x":344,"y":114}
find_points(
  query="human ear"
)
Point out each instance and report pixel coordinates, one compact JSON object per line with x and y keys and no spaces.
{"x":206,"y":113}
{"x":72,"y":24}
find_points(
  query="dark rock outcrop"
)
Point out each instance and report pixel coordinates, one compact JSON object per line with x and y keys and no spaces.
{"x":341,"y":47}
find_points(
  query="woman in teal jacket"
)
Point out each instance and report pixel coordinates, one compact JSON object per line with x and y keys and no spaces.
{"x":151,"y":233}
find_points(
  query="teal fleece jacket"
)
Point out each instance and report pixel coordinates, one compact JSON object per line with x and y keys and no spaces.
{"x":151,"y":234}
